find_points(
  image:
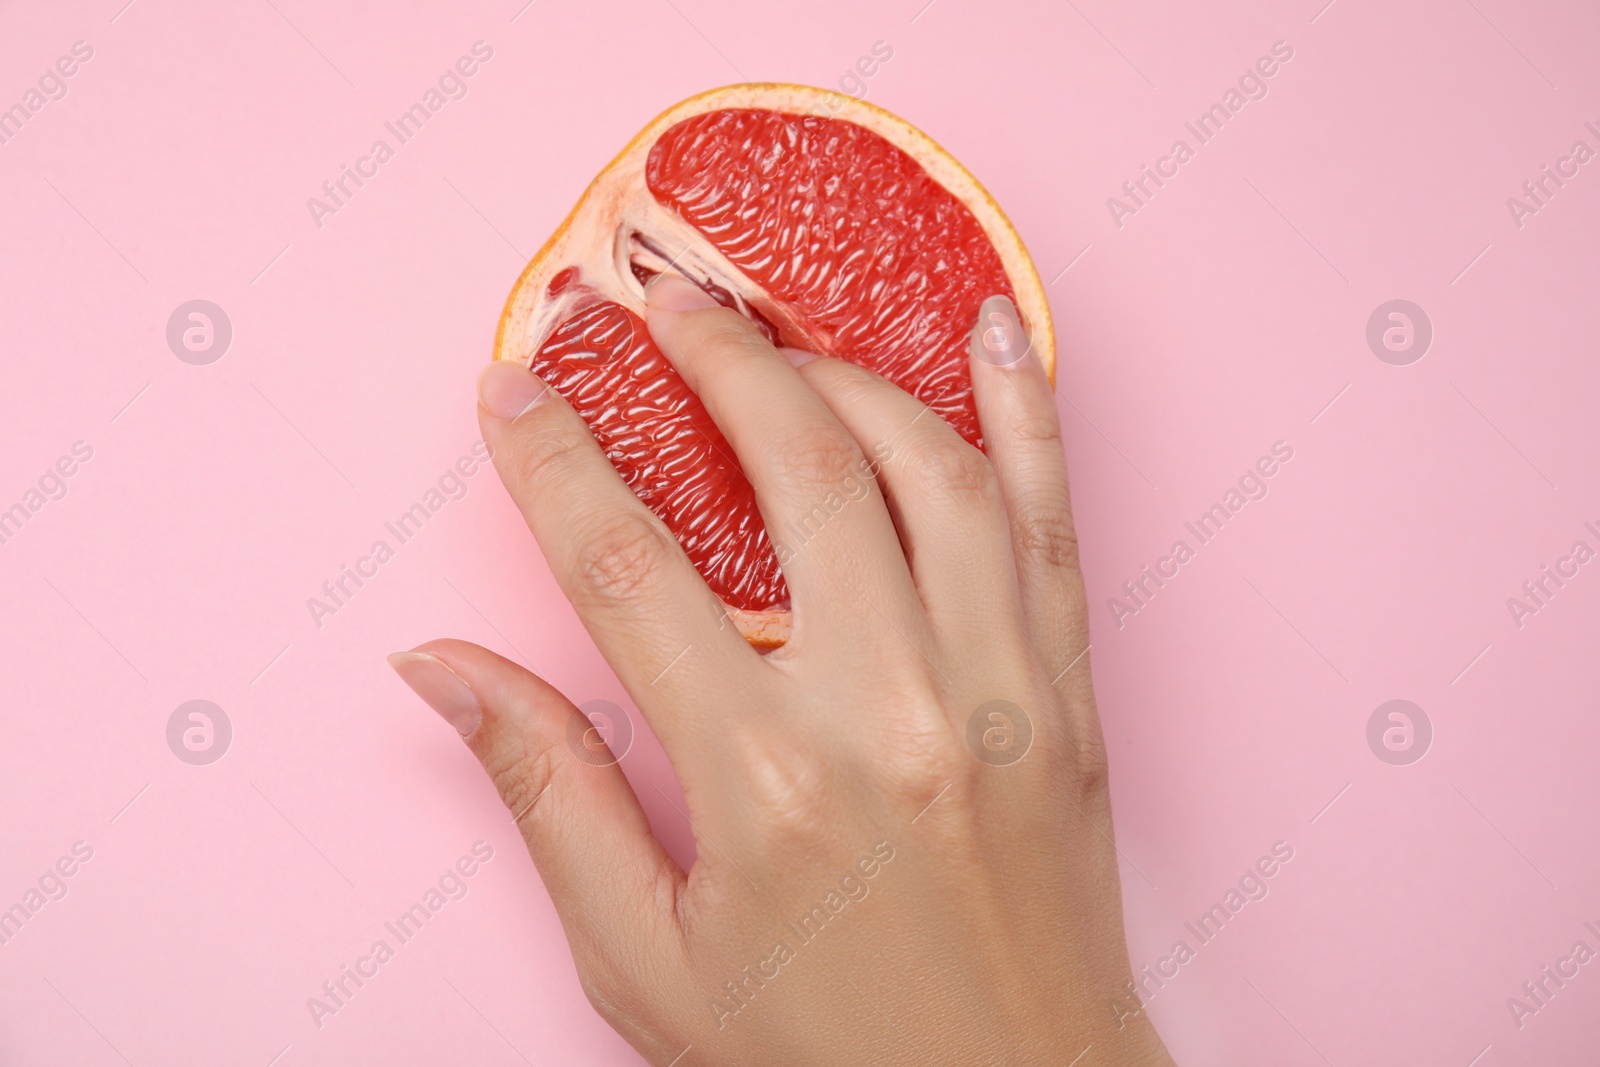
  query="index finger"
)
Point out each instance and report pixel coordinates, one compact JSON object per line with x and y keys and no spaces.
{"x":647,"y":608}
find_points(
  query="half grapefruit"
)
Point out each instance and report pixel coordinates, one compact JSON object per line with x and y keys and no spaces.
{"x":831,"y":224}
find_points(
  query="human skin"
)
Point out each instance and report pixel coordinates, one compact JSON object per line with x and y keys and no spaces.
{"x":975,"y":912}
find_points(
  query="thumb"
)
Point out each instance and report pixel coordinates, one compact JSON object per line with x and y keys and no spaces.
{"x":610,"y":880}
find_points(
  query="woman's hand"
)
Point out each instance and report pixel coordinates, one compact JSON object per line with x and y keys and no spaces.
{"x":902,"y":817}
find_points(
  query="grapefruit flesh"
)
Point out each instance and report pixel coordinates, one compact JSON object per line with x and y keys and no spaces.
{"x":662,"y":441}
{"x":838,"y":229}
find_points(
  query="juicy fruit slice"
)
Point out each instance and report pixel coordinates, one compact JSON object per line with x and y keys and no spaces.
{"x":832,"y":225}
{"x":662,"y":441}
{"x":879,"y":262}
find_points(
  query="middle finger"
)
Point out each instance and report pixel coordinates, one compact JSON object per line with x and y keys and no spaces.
{"x":816,"y":491}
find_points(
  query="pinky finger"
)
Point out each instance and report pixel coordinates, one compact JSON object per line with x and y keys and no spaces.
{"x":1022,"y":436}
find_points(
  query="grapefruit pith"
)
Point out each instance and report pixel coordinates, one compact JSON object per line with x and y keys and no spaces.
{"x":831,"y":224}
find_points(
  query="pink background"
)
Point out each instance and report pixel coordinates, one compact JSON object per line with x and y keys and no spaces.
{"x":1227,"y":314}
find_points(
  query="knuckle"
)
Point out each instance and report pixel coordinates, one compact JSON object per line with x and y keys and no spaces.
{"x":729,"y":336}
{"x":543,"y":454}
{"x":918,"y":763}
{"x":621,"y":558}
{"x":1044,"y":534}
{"x":852,"y":383}
{"x":1093,"y":769}
{"x":958,"y":473}
{"x":597,"y":989}
{"x":523,"y":778}
{"x":1076,"y":763}
{"x":725,"y":341}
{"x":1035,"y":428}
{"x":819,"y":456}
{"x":612,"y":982}
{"x":917,"y":753}
{"x":928,"y":776}
{"x":606,"y":993}
{"x":787,"y":789}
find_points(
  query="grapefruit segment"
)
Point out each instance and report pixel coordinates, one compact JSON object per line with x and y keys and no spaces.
{"x":832,"y":225}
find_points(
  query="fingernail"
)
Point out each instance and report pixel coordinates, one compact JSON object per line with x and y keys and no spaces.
{"x":672,"y":292}
{"x":998,"y":337}
{"x":506,"y":389}
{"x":797,"y":357}
{"x":440,"y":688}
